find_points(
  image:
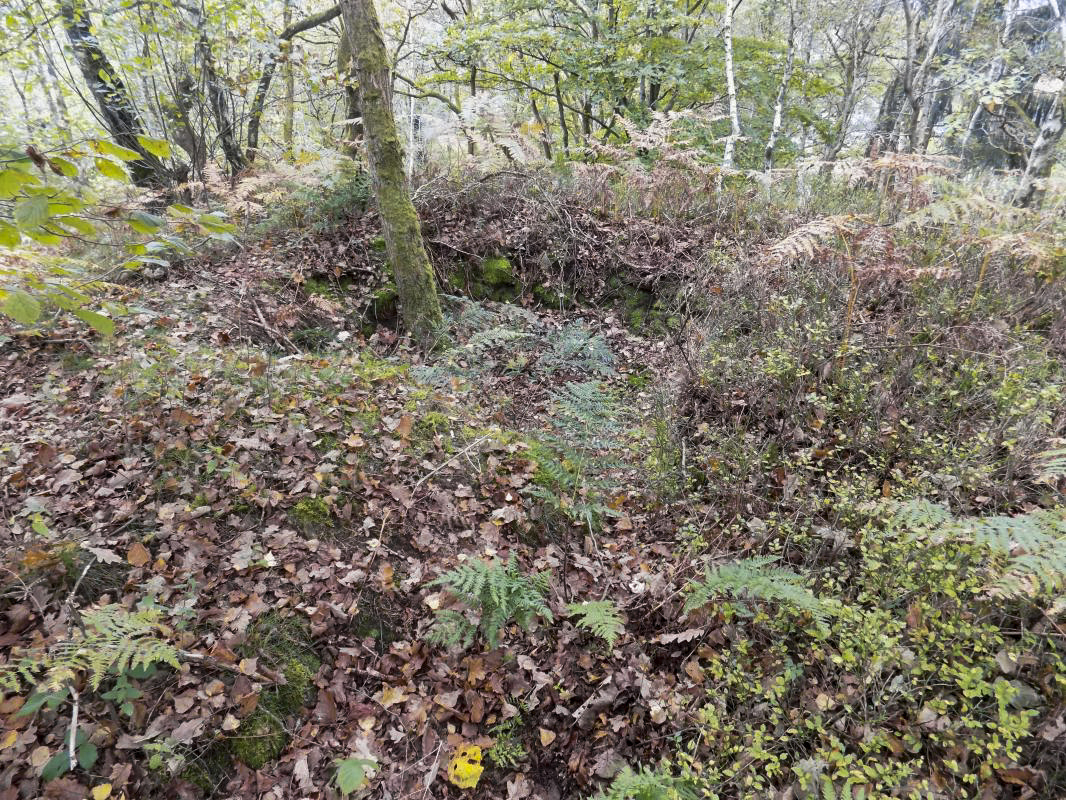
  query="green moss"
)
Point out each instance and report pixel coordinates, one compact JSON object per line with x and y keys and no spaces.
{"x":372,"y":370}
{"x":284,"y":643}
{"x":639,"y":380}
{"x":497,"y":272}
{"x":551,"y":297}
{"x":324,"y":288}
{"x":432,"y":423}
{"x":384,"y":304}
{"x":262,"y":740}
{"x":377,"y":244}
{"x":311,"y":514}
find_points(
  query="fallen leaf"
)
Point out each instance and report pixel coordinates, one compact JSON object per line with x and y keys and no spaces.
{"x":546,"y":737}
{"x":138,"y":555}
{"x":101,"y":792}
{"x":464,"y":770}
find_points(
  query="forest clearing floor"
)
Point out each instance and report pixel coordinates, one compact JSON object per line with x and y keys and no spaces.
{"x":283,"y":479}
{"x":204,"y":462}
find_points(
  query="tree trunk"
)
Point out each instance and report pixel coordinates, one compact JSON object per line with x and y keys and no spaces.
{"x":399,"y":221}
{"x":731,"y":86}
{"x":116,"y":109}
{"x":288,"y":108}
{"x":565,"y":132}
{"x":255,"y":118}
{"x":782,"y":89}
{"x":218,"y":99}
{"x":1031,"y":190}
{"x":1038,"y":167}
{"x":353,"y":120}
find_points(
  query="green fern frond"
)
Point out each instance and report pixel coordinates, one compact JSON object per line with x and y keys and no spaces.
{"x":575,"y":347}
{"x":1052,"y":464}
{"x":600,"y":617}
{"x":1028,"y":551}
{"x":756,"y":579}
{"x":647,"y":784}
{"x":500,"y":593}
{"x":115,"y":640}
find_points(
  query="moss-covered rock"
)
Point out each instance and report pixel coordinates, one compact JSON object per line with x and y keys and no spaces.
{"x":552,"y":297}
{"x":495,"y":280}
{"x":497,"y":272}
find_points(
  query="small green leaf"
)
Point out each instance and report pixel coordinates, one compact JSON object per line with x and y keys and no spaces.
{"x":37,"y":700}
{"x":11,"y":180}
{"x":157,"y":147}
{"x":65,"y":167}
{"x":111,"y":170}
{"x":98,"y":322}
{"x":87,"y":755}
{"x":77,"y":224}
{"x":351,"y":773}
{"x":39,"y":527}
{"x":21,"y":307}
{"x":143,"y":222}
{"x":58,"y":765}
{"x":31,"y":212}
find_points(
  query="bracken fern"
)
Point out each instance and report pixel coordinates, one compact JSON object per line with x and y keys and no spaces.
{"x":114,"y":641}
{"x":600,"y":617}
{"x":756,"y":579}
{"x":499,"y":592}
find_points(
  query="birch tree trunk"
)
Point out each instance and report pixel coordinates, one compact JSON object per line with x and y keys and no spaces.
{"x":782,"y":89}
{"x":1031,"y":189}
{"x":406,"y":252}
{"x":731,"y":86}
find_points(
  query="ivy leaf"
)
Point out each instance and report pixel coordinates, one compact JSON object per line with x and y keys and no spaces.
{"x":351,"y":773}
{"x":21,"y":307}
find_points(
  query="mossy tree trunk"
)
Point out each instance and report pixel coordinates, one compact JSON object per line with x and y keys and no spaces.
{"x":419,"y":303}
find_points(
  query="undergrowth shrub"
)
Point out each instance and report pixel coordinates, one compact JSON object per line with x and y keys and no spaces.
{"x":920,"y":683}
{"x":340,"y":197}
{"x":916,"y":388}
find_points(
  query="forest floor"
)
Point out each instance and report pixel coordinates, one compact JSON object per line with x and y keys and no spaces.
{"x":285,"y":480}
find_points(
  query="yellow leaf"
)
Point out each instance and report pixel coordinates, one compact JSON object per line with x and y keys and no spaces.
{"x":101,"y":792}
{"x":8,"y":740}
{"x":391,"y":695}
{"x":464,"y":770}
{"x":546,"y":737}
